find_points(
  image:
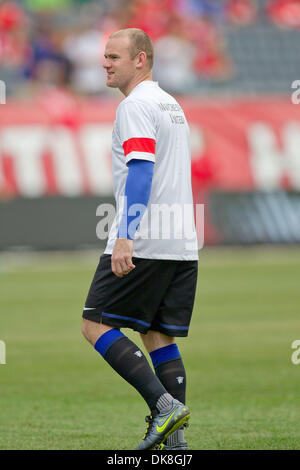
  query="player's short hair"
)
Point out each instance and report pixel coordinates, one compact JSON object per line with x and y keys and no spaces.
{"x":139,"y":41}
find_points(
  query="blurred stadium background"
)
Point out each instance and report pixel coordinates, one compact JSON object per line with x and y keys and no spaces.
{"x":231,"y":64}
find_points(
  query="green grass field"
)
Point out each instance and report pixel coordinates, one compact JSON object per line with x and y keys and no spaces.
{"x":56,"y":392}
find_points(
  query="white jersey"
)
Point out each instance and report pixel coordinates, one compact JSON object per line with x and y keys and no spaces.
{"x":150,"y":125}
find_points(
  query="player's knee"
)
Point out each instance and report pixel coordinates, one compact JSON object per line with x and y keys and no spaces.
{"x":92,"y":330}
{"x":87,"y":330}
{"x":155,"y":340}
{"x":84,"y":329}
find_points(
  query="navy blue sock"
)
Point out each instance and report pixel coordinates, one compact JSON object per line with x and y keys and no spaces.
{"x":131,"y":364}
{"x":170,"y":370}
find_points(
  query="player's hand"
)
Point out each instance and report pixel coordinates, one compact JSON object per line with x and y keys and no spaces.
{"x":121,"y":258}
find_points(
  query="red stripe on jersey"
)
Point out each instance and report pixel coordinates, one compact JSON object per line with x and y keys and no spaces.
{"x":139,"y":144}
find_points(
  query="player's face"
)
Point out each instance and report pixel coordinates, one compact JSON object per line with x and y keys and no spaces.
{"x":120,"y":68}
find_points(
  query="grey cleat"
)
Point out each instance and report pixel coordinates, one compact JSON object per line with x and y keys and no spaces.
{"x":178,"y":446}
{"x":175,"y":441}
{"x":163,"y":424}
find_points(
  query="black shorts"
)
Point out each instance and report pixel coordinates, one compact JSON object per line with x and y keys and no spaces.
{"x":156,"y":295}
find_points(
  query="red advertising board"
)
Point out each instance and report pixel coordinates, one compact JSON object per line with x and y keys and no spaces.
{"x":58,"y":145}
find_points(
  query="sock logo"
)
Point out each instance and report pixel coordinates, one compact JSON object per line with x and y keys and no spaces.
{"x":138,"y":354}
{"x":180,"y":380}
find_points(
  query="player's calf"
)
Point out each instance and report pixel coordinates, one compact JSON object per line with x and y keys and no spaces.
{"x":92,"y":331}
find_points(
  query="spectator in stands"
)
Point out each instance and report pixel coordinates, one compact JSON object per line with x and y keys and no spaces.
{"x":212,"y":9}
{"x":85,"y":48}
{"x":14,"y":46}
{"x":241,"y":12}
{"x":211,"y":60}
{"x":44,"y":47}
{"x":174,"y":58}
{"x":284,"y":13}
{"x":151,"y":16}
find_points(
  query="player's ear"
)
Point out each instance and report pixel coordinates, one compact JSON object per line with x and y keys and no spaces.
{"x":141,"y":59}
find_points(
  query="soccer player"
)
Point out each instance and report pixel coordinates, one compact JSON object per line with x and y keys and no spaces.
{"x":146,"y":278}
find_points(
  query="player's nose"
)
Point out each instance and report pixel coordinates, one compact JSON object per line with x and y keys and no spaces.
{"x":106,"y":64}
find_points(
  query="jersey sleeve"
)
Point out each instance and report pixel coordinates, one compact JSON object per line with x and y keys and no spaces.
{"x":136,"y":125}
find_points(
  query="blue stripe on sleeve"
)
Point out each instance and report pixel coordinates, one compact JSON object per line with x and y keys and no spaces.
{"x":137,"y":193}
